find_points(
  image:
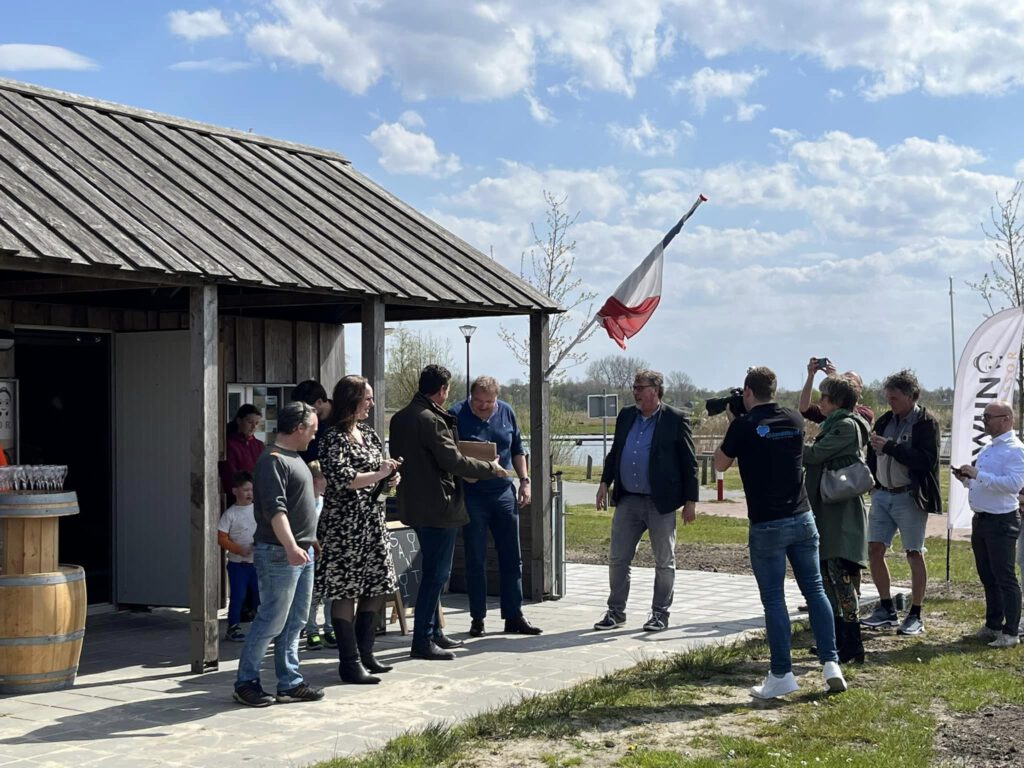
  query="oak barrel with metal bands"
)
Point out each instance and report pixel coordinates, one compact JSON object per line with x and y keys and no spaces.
{"x":42,"y":623}
{"x":29,"y":530}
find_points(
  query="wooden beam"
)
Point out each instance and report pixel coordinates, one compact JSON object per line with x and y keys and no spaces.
{"x":204,"y":508}
{"x":373,"y":358}
{"x":541,"y":565}
{"x":271,"y":299}
{"x":64,"y":285}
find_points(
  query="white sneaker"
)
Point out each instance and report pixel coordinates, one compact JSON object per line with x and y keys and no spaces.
{"x":775,"y":686}
{"x":1004,"y":641}
{"x":833,"y":674}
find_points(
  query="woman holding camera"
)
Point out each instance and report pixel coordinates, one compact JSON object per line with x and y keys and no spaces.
{"x":842,"y":525}
{"x":354,"y":563}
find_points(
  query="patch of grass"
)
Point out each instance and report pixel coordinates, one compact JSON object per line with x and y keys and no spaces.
{"x":586,"y":527}
{"x":574,"y":474}
{"x":962,"y":569}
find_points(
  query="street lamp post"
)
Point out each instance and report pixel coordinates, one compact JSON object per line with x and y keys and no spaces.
{"x":467,"y":331}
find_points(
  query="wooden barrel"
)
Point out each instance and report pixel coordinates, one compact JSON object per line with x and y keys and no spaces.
{"x":29,"y":530}
{"x":42,"y":623}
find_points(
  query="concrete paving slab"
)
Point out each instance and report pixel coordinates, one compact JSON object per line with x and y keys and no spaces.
{"x":136,"y":703}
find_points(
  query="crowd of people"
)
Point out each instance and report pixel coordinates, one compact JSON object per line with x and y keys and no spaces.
{"x":308,"y":524}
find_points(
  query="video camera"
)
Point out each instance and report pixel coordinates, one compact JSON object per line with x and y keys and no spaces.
{"x":734,"y":401}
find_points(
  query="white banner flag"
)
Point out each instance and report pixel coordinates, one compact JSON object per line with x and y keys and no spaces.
{"x":987,"y":372}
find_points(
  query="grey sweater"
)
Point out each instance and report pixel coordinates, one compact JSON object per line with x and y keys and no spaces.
{"x":282,"y":483}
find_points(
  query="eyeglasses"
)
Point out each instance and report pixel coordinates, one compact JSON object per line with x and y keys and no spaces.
{"x":990,"y":416}
{"x":641,"y":386}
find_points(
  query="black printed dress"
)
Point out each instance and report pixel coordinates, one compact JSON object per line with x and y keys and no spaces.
{"x":355,"y":558}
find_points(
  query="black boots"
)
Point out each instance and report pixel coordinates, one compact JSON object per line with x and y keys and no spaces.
{"x":350,"y":668}
{"x":366,"y":634}
{"x":849,"y":642}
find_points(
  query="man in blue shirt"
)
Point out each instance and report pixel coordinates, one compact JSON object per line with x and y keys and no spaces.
{"x":494,"y":505}
{"x":652,"y":471}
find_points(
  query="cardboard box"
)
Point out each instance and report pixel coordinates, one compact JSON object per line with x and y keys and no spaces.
{"x":476,"y":449}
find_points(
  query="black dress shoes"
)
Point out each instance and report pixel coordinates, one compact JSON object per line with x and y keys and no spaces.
{"x":520,"y":626}
{"x":430,"y":651}
{"x":476,"y":629}
{"x":443,"y":641}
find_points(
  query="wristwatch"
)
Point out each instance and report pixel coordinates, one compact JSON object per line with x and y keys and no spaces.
{"x":524,"y":479}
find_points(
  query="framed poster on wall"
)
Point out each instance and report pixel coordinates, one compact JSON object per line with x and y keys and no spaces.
{"x":9,"y":419}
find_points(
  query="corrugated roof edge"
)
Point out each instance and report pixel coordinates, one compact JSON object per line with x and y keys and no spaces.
{"x":76,"y":99}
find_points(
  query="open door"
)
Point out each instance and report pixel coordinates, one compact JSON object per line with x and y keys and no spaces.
{"x":152,"y":448}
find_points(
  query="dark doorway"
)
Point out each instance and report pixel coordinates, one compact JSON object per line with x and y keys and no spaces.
{"x":64,"y":388}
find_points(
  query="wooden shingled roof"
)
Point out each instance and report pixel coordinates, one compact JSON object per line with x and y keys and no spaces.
{"x":124,"y":191}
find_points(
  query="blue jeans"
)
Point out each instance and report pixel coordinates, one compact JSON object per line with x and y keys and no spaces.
{"x":437,"y":546}
{"x":242,"y":581}
{"x":286,"y":591}
{"x":771,"y":543}
{"x":498,"y":512}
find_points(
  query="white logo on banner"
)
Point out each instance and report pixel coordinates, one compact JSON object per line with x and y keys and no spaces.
{"x":987,"y":372}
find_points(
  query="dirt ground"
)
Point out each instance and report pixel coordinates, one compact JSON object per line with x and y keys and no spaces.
{"x":991,"y":738}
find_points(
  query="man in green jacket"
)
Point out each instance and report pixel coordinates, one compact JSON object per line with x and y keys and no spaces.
{"x":430,"y":498}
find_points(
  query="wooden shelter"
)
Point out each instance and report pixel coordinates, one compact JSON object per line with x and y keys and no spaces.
{"x":199,"y":257}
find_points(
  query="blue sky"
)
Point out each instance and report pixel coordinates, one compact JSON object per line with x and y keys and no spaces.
{"x":849,"y":150}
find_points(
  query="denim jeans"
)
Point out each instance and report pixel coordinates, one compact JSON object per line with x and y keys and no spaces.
{"x":437,"y":546}
{"x":242,"y":581}
{"x":771,"y":543}
{"x":498,"y":512}
{"x":993,"y":539}
{"x":634,"y":515}
{"x":285,"y":591}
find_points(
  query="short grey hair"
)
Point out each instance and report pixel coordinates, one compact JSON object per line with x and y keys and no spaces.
{"x":293,"y":415}
{"x":487,"y":384}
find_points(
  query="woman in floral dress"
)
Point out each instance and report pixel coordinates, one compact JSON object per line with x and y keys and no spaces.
{"x":354,"y":567}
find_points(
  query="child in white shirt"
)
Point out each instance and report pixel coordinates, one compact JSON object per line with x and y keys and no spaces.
{"x":314,"y":640}
{"x":235,"y":533}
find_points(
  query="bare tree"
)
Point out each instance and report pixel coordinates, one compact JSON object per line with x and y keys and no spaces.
{"x":1005,"y":279}
{"x":679,"y":388}
{"x":615,"y":371}
{"x":548,"y":267}
{"x":408,"y":353}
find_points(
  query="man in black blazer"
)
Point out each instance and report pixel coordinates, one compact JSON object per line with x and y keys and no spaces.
{"x":652,"y":471}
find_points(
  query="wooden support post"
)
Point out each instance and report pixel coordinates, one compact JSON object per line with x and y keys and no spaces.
{"x":373,"y":358}
{"x":205,"y":422}
{"x":541,"y":564}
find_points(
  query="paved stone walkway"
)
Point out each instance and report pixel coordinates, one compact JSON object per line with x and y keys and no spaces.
{"x":135,"y":703}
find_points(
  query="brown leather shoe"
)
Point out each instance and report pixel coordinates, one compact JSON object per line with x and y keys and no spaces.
{"x":520,"y":626}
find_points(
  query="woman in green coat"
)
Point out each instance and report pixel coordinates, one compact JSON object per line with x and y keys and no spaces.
{"x":842,"y":525}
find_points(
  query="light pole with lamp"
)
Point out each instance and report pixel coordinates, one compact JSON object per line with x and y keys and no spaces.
{"x":467,"y":331}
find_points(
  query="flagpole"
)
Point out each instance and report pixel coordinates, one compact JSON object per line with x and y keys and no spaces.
{"x":664,"y":243}
{"x":561,"y":357}
{"x":952,"y":341}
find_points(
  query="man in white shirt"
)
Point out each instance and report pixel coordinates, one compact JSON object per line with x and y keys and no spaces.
{"x":993,"y":482}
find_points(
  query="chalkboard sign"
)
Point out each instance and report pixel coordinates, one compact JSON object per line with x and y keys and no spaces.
{"x":408,"y":560}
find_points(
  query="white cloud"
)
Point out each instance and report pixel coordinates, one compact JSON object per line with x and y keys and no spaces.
{"x":707,"y":84}
{"x":944,"y":47}
{"x":519,"y":191}
{"x":18,"y":57}
{"x":411,"y":119}
{"x":220,"y":66}
{"x":785,"y":136}
{"x":198,"y":25}
{"x":834,"y":94}
{"x":1018,"y":169}
{"x":404,"y":151}
{"x":538,"y":111}
{"x":646,"y":138}
{"x":747,"y":112}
